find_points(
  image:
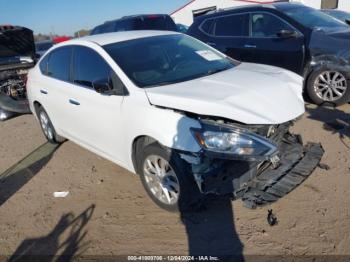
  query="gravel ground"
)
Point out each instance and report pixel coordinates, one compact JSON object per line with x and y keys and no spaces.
{"x":107,"y":212}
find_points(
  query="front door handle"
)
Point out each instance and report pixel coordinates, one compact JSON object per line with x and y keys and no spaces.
{"x":250,"y":46}
{"x":73,"y":102}
{"x":43,"y":91}
{"x":211,"y":44}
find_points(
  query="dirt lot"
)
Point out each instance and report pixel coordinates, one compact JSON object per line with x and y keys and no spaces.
{"x":107,"y":211}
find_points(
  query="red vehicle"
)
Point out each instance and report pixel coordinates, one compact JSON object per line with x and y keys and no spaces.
{"x":60,"y":39}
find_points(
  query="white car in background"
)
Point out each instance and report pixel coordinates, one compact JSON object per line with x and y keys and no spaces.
{"x":186,"y":118}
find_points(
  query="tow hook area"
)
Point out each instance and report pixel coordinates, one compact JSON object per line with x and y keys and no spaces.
{"x":257,"y":183}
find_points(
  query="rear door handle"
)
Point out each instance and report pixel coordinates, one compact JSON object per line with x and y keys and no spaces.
{"x":250,"y":46}
{"x":43,"y":91}
{"x":211,"y":44}
{"x":73,"y":102}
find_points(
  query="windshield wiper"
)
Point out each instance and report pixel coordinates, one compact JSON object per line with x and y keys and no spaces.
{"x":214,"y":71}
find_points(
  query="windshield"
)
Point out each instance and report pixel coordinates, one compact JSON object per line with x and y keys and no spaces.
{"x":310,"y":17}
{"x":338,"y":14}
{"x":169,"y":59}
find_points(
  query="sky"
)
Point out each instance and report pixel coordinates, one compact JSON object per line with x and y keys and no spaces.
{"x":64,"y":17}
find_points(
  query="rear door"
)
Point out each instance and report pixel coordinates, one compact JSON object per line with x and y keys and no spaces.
{"x":266,"y":47}
{"x":228,"y":34}
{"x":55,"y":85}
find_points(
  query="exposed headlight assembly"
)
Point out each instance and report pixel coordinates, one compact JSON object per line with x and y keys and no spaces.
{"x":235,"y":143}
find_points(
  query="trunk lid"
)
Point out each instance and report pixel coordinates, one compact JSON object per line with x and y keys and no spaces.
{"x":16,"y":41}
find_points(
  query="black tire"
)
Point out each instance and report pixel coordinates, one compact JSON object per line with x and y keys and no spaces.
{"x":189,"y":195}
{"x":311,"y":92}
{"x":50,"y":132}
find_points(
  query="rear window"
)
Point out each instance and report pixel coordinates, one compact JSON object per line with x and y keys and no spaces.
{"x":232,"y":25}
{"x":154,"y":23}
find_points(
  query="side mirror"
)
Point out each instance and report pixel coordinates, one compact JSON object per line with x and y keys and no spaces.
{"x":111,"y":86}
{"x":287,"y":33}
{"x":102,"y":86}
{"x":347,"y":21}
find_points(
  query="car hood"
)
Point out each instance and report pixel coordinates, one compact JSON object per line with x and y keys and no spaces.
{"x":16,"y":41}
{"x":337,"y":32}
{"x":248,"y":93}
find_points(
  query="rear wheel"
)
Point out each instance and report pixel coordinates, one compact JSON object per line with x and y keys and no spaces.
{"x":167,"y":179}
{"x":47,"y":127}
{"x":328,"y":86}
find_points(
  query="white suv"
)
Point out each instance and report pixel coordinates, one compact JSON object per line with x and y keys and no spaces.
{"x":186,"y":118}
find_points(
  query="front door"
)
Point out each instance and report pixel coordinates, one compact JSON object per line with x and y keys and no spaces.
{"x":94,"y":117}
{"x":267,"y":46}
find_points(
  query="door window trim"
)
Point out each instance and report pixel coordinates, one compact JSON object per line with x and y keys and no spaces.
{"x":214,"y":25}
{"x":250,"y":25}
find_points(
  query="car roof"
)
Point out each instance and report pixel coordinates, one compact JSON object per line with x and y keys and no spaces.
{"x":272,"y":6}
{"x":130,"y":17}
{"x":115,"y":37}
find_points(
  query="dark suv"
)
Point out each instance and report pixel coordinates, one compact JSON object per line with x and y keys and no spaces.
{"x":292,"y":36}
{"x":136,"y":22}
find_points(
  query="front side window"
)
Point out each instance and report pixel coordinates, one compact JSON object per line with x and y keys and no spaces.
{"x":232,"y":25}
{"x":88,"y":67}
{"x":167,"y":59}
{"x":59,"y":63}
{"x":267,"y":25}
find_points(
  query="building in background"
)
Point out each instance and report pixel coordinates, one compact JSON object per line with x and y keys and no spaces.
{"x":185,"y":14}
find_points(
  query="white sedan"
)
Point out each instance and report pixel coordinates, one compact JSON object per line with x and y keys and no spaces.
{"x":186,"y":118}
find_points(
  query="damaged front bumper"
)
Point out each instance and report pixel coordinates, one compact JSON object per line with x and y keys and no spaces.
{"x":256,"y":182}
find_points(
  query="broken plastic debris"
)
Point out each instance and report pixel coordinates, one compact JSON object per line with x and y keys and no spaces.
{"x":271,"y":218}
{"x":323,"y":166}
{"x":61,"y":194}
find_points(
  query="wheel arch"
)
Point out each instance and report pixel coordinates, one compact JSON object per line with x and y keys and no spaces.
{"x":138,"y":144}
{"x":36,"y":105}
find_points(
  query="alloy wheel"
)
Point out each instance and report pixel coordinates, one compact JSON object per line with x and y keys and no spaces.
{"x":46,"y":126}
{"x":161,"y":179}
{"x":330,"y":85}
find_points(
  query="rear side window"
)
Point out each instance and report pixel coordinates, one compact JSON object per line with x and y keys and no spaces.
{"x":232,"y":25}
{"x":59,"y":63}
{"x":43,"y":65}
{"x":88,"y":66}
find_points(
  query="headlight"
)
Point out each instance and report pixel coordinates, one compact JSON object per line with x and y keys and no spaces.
{"x":234,"y":142}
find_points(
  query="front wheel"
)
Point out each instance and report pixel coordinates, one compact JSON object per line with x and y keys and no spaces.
{"x":330,"y":86}
{"x":167,"y":179}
